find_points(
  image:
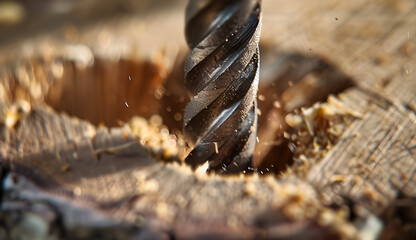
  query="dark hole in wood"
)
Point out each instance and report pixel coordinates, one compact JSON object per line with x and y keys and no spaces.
{"x":289,"y":81}
{"x":107,"y":92}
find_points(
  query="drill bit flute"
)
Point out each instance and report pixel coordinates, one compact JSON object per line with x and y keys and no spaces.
{"x":221,"y":75}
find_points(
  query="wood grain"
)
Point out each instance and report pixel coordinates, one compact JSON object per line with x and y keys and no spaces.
{"x":52,"y":158}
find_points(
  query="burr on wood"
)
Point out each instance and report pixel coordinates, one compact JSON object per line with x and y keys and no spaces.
{"x":221,"y":76}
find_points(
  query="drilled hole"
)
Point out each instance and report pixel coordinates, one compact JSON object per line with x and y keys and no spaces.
{"x":108,"y":92}
{"x":289,"y":81}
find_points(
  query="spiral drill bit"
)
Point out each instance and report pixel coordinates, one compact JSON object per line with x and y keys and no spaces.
{"x":221,"y":76}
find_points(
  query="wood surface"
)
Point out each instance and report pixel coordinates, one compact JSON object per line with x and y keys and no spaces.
{"x":75,"y":175}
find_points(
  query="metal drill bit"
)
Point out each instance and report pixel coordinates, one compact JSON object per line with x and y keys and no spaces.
{"x":221,"y":75}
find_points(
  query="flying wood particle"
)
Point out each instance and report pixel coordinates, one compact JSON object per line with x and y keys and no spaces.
{"x":277,"y":104}
{"x":216,"y":147}
{"x":65,"y":168}
{"x":177,"y":117}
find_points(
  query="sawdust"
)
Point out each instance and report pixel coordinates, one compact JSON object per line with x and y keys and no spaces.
{"x":315,"y":130}
{"x":156,"y":137}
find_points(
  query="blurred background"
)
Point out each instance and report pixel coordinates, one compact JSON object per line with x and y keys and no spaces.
{"x":21,"y":19}
{"x":126,"y":22}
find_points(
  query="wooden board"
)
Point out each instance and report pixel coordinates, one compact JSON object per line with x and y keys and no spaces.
{"x":52,"y":158}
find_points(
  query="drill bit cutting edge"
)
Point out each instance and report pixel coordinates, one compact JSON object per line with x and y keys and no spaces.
{"x":221,"y":75}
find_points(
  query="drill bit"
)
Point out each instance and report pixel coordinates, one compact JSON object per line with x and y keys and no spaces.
{"x":221,"y":76}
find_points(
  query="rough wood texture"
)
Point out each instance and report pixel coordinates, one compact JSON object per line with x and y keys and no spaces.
{"x":375,"y":45}
{"x":131,"y":187}
{"x":376,"y":155}
{"x":372,"y":165}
